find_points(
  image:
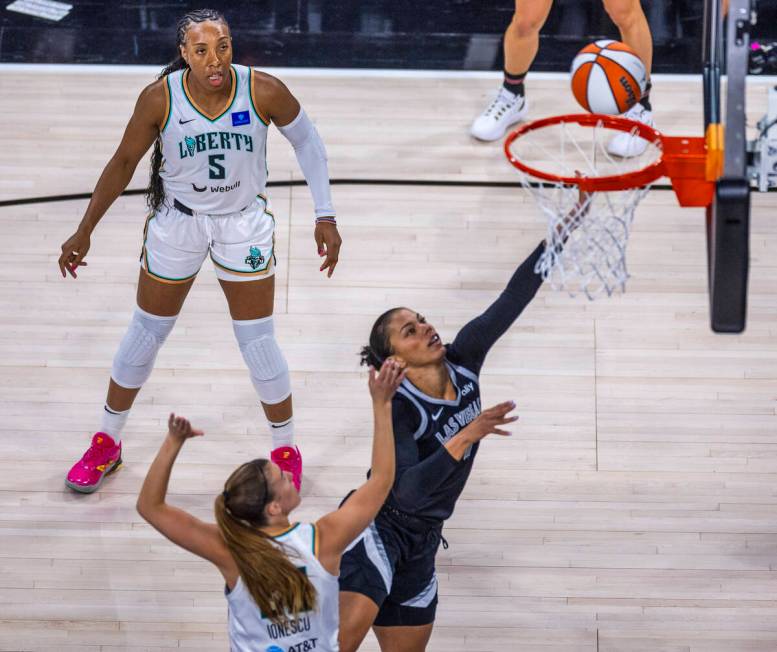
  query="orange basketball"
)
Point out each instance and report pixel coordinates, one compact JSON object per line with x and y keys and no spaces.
{"x":608,"y":77}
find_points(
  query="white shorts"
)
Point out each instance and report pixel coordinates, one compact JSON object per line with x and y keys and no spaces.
{"x":241,"y":245}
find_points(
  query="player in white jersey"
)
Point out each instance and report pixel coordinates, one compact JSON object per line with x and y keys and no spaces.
{"x":281,"y":577}
{"x":208,"y":121}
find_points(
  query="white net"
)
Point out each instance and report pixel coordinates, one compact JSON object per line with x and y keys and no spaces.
{"x":587,"y":232}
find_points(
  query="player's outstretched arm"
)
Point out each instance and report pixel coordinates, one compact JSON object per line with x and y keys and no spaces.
{"x":285,"y":111}
{"x":140,"y":133}
{"x":183,"y":529}
{"x":339,"y":528}
{"x":476,"y":338}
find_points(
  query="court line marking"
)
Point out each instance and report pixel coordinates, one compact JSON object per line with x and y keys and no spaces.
{"x":20,"y":201}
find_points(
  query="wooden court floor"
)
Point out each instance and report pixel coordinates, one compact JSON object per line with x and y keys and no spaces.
{"x":634,"y":507}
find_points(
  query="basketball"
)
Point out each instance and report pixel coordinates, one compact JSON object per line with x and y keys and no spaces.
{"x":607,"y":77}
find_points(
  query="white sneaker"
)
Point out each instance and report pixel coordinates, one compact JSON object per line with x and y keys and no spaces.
{"x":505,"y":110}
{"x":624,"y":144}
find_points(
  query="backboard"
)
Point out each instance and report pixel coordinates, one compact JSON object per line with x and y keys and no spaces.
{"x":728,"y":217}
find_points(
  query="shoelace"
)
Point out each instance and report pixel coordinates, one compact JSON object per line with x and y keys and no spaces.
{"x":498,"y":100}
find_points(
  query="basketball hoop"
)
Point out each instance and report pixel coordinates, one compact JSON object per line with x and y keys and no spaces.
{"x":589,"y":196}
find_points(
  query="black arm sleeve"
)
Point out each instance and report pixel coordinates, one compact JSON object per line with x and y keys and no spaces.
{"x":479,"y":335}
{"x":415,"y":483}
{"x":416,"y":479}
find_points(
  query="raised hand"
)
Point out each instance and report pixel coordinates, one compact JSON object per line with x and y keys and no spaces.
{"x":575,"y":216}
{"x":180,"y":428}
{"x":584,"y":200}
{"x":384,"y":383}
{"x":488,"y":422}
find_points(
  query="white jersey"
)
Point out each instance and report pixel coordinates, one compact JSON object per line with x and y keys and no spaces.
{"x":313,"y":631}
{"x":213,"y":164}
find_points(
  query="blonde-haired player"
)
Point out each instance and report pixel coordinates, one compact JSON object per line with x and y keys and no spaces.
{"x":281,"y":576}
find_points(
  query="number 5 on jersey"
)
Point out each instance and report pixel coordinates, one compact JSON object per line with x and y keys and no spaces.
{"x":217,"y":170}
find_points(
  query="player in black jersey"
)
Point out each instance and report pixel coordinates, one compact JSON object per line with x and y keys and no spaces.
{"x":387,"y":577}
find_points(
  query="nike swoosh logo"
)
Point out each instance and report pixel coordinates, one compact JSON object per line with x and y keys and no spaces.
{"x":437,"y":416}
{"x":196,"y":189}
{"x":183,"y":122}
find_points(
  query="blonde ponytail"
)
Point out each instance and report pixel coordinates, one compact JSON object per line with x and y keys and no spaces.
{"x":279,"y":588}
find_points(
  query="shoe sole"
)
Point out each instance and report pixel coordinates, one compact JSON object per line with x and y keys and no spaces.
{"x":81,"y":489}
{"x":626,"y":156}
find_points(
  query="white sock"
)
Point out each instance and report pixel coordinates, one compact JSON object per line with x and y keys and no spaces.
{"x":282,"y":432}
{"x":113,"y":422}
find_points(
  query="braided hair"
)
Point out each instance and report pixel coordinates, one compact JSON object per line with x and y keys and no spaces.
{"x":155,"y":192}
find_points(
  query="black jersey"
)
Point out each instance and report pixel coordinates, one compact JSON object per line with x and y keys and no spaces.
{"x":428,"y":479}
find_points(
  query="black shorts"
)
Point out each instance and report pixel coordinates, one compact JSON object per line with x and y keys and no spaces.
{"x":392,"y":563}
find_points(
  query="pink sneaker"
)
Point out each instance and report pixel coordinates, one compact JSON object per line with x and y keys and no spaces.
{"x":289,"y":459}
{"x":101,"y":458}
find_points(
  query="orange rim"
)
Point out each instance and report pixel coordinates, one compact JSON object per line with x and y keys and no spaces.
{"x":635,"y":179}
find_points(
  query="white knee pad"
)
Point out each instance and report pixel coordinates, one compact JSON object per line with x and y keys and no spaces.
{"x":134,"y":360}
{"x":268,"y":368}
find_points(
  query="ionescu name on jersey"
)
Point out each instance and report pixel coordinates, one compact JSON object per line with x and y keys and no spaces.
{"x":218,"y":140}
